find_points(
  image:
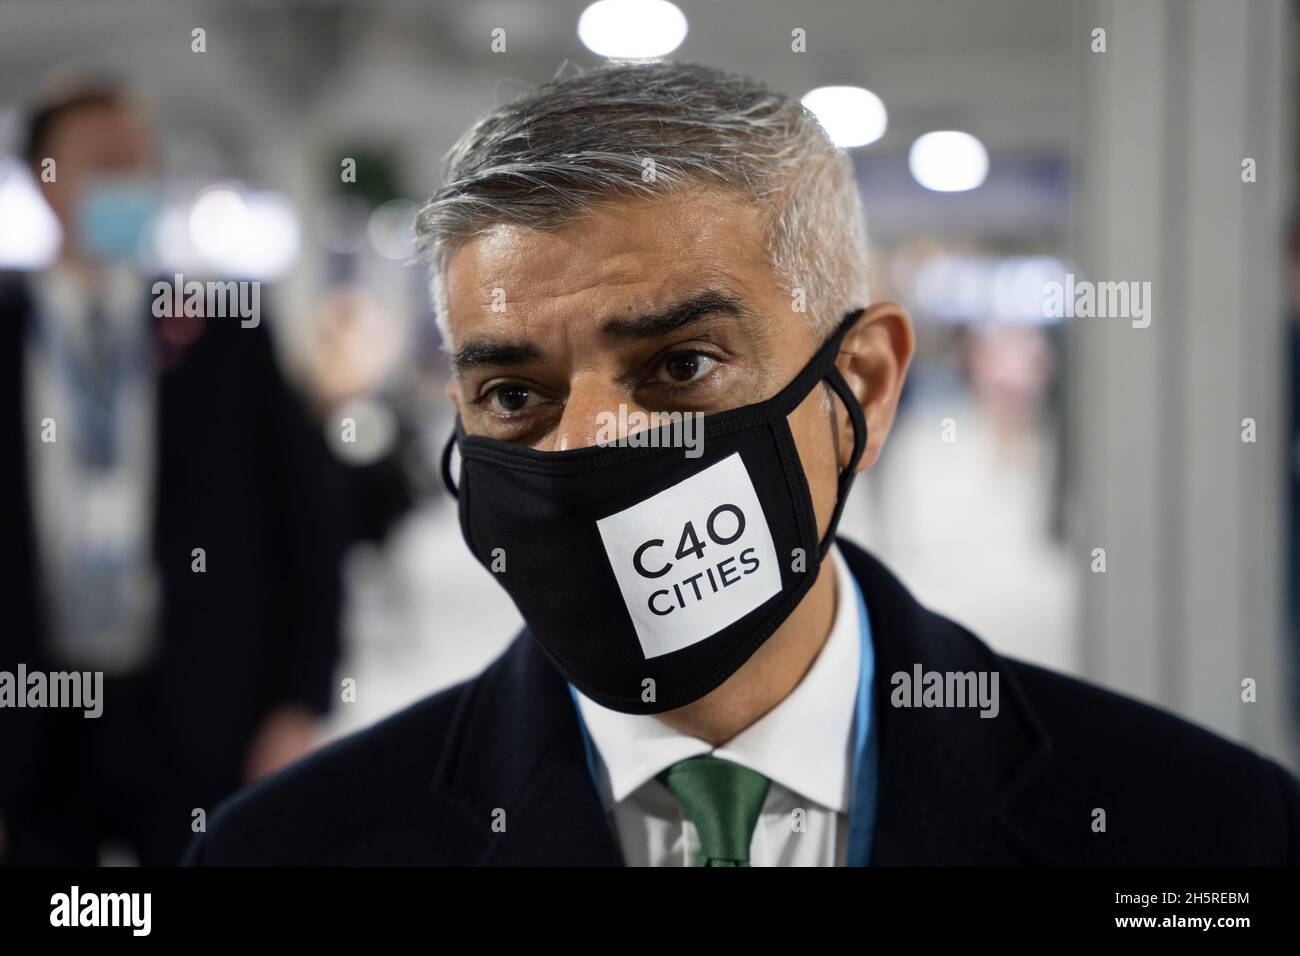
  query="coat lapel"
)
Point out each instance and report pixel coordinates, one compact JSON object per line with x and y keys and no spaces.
{"x":516,"y":775}
{"x":945,"y":774}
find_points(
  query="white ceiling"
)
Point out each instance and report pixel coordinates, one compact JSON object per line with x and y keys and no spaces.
{"x":285,"y":74}
{"x":996,"y":66}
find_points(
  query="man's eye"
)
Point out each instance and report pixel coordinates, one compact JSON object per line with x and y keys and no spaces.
{"x":508,"y":398}
{"x":688,"y":366}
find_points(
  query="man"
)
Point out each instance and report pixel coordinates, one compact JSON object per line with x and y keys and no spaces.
{"x":169,"y":517}
{"x":707,"y":677}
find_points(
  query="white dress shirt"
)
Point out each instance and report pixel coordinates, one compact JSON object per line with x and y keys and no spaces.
{"x":804,"y":746}
{"x":93,"y":527}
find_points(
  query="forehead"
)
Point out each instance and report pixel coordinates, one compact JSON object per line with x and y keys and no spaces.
{"x":117,"y":131}
{"x":619,"y":255}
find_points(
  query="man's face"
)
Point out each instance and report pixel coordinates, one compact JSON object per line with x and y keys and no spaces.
{"x":659,"y":305}
{"x":90,"y":144}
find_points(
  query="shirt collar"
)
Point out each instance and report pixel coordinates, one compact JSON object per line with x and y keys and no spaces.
{"x":65,"y":299}
{"x":804,"y":743}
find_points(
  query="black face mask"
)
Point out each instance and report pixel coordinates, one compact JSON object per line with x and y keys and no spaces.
{"x":650,"y":577}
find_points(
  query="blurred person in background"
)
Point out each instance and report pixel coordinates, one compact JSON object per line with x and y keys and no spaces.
{"x":169,"y":435}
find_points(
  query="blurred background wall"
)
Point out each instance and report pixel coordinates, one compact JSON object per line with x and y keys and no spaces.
{"x":1026,"y":441}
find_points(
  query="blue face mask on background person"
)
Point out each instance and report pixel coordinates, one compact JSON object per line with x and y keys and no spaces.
{"x":115,"y":218}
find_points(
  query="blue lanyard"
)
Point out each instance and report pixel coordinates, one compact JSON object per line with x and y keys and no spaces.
{"x":866,"y":747}
{"x":95,"y":415}
{"x":130,"y":350}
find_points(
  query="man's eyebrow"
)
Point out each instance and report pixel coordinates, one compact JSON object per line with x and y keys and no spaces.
{"x":482,"y":352}
{"x":476,"y":353}
{"x":693,"y":309}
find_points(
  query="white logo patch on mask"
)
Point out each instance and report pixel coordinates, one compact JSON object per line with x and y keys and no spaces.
{"x":693,"y":558}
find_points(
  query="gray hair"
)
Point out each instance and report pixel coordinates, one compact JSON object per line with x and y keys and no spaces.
{"x":577,"y":141}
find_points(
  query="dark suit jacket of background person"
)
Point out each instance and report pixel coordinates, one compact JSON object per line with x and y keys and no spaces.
{"x":422,"y":786}
{"x":241,"y":472}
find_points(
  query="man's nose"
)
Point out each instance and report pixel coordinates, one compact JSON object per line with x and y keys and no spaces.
{"x":595,"y":411}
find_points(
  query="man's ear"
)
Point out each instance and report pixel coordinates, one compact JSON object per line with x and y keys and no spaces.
{"x":873,"y":359}
{"x":454,"y":394}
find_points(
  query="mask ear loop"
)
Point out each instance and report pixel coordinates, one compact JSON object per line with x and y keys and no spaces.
{"x":446,"y":462}
{"x":859,"y":420}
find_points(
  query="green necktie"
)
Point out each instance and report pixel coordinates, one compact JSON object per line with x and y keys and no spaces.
{"x":723,"y":800}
